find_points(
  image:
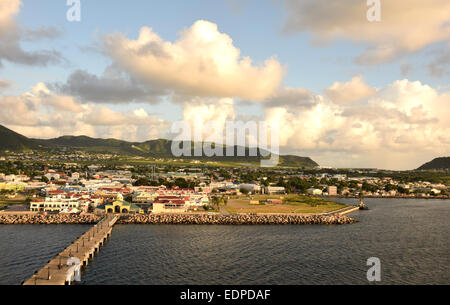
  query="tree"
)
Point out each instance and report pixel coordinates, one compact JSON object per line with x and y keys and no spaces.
{"x":142,"y":182}
{"x":244,"y":191}
{"x":390,"y":187}
{"x":216,"y":201}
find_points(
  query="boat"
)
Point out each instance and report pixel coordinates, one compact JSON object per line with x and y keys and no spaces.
{"x":362,"y":205}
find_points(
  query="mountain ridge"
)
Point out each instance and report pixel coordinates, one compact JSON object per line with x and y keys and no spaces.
{"x":160,"y":148}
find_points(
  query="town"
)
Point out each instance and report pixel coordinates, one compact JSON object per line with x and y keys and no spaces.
{"x":85,"y":182}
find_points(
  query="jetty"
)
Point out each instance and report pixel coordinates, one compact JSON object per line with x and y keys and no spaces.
{"x":345,"y":211}
{"x":66,"y":266}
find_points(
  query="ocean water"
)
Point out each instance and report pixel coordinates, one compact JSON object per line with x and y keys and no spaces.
{"x":410,"y":237}
{"x":27,"y":248}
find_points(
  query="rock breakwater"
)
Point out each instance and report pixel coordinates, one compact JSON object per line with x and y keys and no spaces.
{"x":180,"y":219}
{"x":39,"y":219}
{"x":241,"y":219}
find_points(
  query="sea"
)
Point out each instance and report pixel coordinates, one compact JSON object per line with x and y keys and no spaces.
{"x":409,"y":237}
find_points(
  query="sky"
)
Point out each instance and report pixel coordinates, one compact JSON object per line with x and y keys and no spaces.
{"x":340,"y":89}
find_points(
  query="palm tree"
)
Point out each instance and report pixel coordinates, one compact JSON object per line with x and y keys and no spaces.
{"x":216,"y":201}
{"x":225,"y":201}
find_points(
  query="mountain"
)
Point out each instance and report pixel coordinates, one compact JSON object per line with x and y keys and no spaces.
{"x":438,"y":163}
{"x":10,"y":140}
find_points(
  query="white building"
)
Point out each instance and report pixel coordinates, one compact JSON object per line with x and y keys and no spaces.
{"x":254,"y":188}
{"x":313,"y":191}
{"x":59,"y":205}
{"x":275,"y":190}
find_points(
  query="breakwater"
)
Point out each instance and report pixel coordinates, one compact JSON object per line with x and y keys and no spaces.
{"x":180,"y":219}
{"x":240,"y":219}
{"x":39,"y":219}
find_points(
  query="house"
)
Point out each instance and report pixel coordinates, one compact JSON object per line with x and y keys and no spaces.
{"x":120,"y":206}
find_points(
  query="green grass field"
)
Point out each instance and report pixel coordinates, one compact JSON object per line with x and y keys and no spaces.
{"x":13,"y":201}
{"x":291,"y":204}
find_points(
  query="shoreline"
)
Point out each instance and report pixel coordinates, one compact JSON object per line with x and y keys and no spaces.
{"x":181,"y":219}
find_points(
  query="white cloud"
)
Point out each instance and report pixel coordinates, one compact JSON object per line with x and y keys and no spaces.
{"x":202,"y":62}
{"x":406,"y":26}
{"x":349,"y":92}
{"x":11,"y":36}
{"x":402,"y":125}
{"x":41,"y":113}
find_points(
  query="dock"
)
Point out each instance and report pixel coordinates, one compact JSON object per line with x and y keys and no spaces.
{"x":65,"y":268}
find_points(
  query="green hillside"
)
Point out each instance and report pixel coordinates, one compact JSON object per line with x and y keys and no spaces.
{"x":10,"y":140}
{"x":438,"y":163}
{"x":160,"y":148}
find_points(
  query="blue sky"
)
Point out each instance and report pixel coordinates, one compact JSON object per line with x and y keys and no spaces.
{"x":260,"y":29}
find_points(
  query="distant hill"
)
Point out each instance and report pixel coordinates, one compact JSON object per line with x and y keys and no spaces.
{"x":10,"y":140}
{"x":438,"y":163}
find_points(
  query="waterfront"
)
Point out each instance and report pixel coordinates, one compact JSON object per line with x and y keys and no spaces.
{"x":409,"y":236}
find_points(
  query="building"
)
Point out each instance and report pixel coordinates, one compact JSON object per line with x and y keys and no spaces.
{"x":275,"y":190}
{"x":145,"y":197}
{"x":120,"y":206}
{"x":59,"y":205}
{"x":332,"y":191}
{"x":313,"y":191}
{"x":252,"y":188}
{"x":13,"y":186}
{"x":171,"y":205}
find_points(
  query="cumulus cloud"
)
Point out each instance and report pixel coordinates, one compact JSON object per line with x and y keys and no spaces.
{"x":399,"y":127}
{"x":201,"y":111}
{"x":349,"y":92}
{"x":202,"y":62}
{"x":11,"y":36}
{"x":405,"y":26}
{"x":43,"y":114}
{"x":112,"y":87}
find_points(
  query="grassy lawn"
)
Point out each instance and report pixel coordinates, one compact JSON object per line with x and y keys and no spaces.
{"x":291,"y":204}
{"x":13,"y":201}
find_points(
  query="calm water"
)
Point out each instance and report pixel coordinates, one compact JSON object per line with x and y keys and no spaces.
{"x":411,"y":238}
{"x":25,"y":249}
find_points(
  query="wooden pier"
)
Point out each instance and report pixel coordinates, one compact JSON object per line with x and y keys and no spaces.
{"x":64,"y":268}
